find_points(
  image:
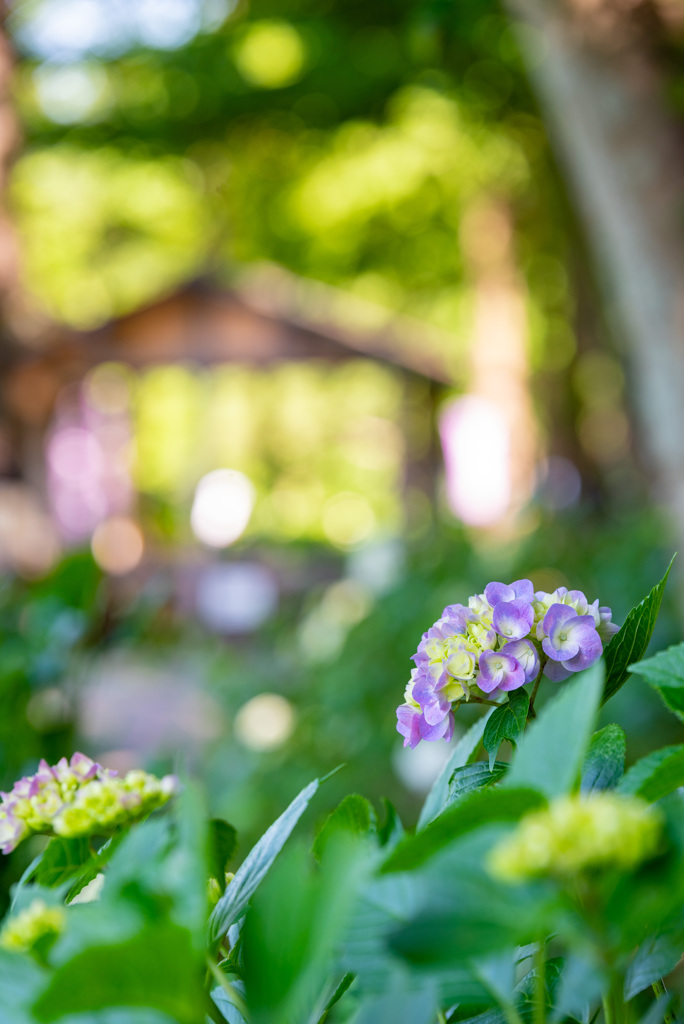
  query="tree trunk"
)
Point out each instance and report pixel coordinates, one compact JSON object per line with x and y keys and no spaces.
{"x":595,"y":74}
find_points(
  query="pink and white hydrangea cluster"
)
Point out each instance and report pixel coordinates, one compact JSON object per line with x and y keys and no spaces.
{"x":78,"y":798}
{"x":506,"y":637}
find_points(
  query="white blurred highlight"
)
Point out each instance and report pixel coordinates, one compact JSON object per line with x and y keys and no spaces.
{"x":224,"y":500}
{"x":265,"y":722}
{"x":477,"y":458}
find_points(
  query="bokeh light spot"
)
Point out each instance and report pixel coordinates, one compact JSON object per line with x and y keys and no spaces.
{"x":271,"y":54}
{"x":118,"y":545}
{"x":265,"y":722}
{"x":224,"y":500}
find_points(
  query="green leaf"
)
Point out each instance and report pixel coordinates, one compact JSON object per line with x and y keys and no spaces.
{"x":233,"y":902}
{"x":604,"y":764}
{"x":507,"y":723}
{"x":391,"y":830}
{"x":474,"y":776}
{"x":296,"y":921}
{"x":655,"y":775}
{"x":665,"y":673}
{"x":416,"y":1004}
{"x":655,"y":958}
{"x":354,"y":815}
{"x":156,"y":968}
{"x":478,"y":808}
{"x":222,"y":999}
{"x":550,"y":753}
{"x":630,"y":643}
{"x":61,"y":860}
{"x":340,"y":990}
{"x":464,"y":751}
{"x":222,"y":846}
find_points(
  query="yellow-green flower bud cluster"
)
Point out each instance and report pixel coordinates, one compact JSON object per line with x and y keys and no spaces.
{"x":20,"y":934}
{"x":78,"y":798}
{"x":576,"y":834}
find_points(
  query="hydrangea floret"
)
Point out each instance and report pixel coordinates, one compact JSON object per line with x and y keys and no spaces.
{"x":78,"y":798}
{"x":577,"y":834}
{"x":504,"y":638}
{"x":36,"y":923}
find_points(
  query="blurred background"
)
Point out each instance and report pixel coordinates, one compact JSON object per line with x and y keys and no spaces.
{"x":315,"y":316}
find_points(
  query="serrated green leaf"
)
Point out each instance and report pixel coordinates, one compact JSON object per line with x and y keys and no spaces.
{"x":354,"y":815}
{"x":506,"y":723}
{"x":233,"y":902}
{"x":550,"y":753}
{"x":61,"y":860}
{"x":474,"y":776}
{"x":604,"y":764}
{"x":477,"y":809}
{"x":464,"y":751}
{"x":630,"y":643}
{"x":665,"y":673}
{"x":655,"y":775}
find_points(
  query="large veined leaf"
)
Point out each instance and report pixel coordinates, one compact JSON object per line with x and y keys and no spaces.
{"x":665,"y":673}
{"x":464,"y":751}
{"x":604,"y":764}
{"x":551,"y":752}
{"x":233,"y":902}
{"x":630,"y":643}
{"x":156,"y":968}
{"x":475,"y":810}
{"x":507,"y":723}
{"x":61,"y":860}
{"x":413,"y":1004}
{"x":655,"y":775}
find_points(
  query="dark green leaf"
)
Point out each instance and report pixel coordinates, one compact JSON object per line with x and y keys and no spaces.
{"x":61,"y":860}
{"x":391,"y":830}
{"x":474,"y":776}
{"x":604,"y":764}
{"x":478,"y":808}
{"x":354,"y":815}
{"x":463,"y":752}
{"x":655,"y":958}
{"x":506,"y":723}
{"x":222,"y":845}
{"x":233,"y":903}
{"x":155,"y":968}
{"x":550,"y":753}
{"x":665,"y":673}
{"x":581,"y":985}
{"x":655,"y":775}
{"x":631,"y":642}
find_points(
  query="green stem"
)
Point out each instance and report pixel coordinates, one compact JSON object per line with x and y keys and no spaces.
{"x":531,"y":713}
{"x":659,"y":990}
{"x":540,"y":983}
{"x":235,"y":997}
{"x":483,"y":700}
{"x":608,"y":1011}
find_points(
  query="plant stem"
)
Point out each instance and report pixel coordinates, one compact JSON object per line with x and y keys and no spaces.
{"x":483,"y":700}
{"x":608,"y":1009}
{"x":531,"y":713}
{"x":540,"y":983}
{"x":231,"y":992}
{"x":659,"y":990}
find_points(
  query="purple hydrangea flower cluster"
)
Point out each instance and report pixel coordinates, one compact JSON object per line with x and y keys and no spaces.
{"x":504,"y":638}
{"x":76,"y":798}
